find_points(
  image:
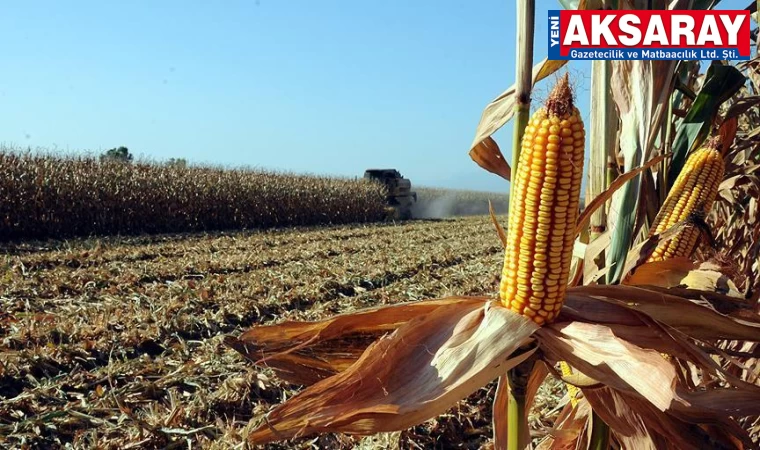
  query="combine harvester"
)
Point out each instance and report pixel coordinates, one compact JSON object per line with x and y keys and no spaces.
{"x":399,"y":194}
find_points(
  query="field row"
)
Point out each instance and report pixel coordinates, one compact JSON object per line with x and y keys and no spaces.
{"x":112,"y":344}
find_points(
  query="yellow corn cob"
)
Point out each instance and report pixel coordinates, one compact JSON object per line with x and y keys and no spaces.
{"x":694,"y":191}
{"x":572,"y":390}
{"x":544,"y":209}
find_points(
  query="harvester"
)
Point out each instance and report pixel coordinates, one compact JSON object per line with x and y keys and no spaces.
{"x":400,"y":196}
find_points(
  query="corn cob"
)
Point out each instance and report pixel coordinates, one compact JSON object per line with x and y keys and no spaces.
{"x":572,"y":390}
{"x":693,"y":192}
{"x":544,"y":209}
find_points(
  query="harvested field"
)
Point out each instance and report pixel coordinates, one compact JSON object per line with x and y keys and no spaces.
{"x":117,"y":343}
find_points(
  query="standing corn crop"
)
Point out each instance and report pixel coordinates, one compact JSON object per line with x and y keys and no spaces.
{"x":693,"y":192}
{"x":544,"y":209}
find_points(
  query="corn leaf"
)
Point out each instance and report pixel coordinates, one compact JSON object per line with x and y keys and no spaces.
{"x":665,"y":340}
{"x":591,"y":272}
{"x":488,"y":156}
{"x":705,"y":4}
{"x":627,"y":360}
{"x":666,"y":273}
{"x":409,"y":376}
{"x":596,"y":351}
{"x":626,"y":424}
{"x":636,"y":424}
{"x":700,"y":321}
{"x":723,"y":401}
{"x":499,"y":229}
{"x":641,"y":90}
{"x":605,"y":195}
{"x":727,"y":132}
{"x":306,"y":352}
{"x":571,"y":4}
{"x":589,"y":4}
{"x":571,"y":430}
{"x":501,"y":109}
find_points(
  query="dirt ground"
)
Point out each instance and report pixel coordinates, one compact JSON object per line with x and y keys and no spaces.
{"x":117,"y":343}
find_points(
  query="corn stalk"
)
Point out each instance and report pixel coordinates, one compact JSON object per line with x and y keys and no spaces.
{"x":604,"y":124}
{"x":518,"y":437}
{"x":524,"y":81}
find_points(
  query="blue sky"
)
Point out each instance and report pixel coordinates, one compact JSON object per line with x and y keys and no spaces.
{"x":329,"y":87}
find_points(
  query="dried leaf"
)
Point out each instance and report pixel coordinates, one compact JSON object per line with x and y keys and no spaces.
{"x":592,"y":272}
{"x":416,"y":373}
{"x":499,"y":230}
{"x":727,"y":133}
{"x":597,"y":352}
{"x":719,"y":401}
{"x":600,"y":199}
{"x":580,"y":305}
{"x":571,"y":428}
{"x":306,"y":352}
{"x":499,"y":111}
{"x":696,"y":320}
{"x":500,"y":412}
{"x":487,"y":155}
{"x":636,"y":420}
{"x":668,"y":430}
{"x":625,"y":423}
{"x":741,"y":309}
{"x":666,"y":273}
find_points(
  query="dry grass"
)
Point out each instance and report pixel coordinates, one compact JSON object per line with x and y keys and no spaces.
{"x":116,"y":343}
{"x":51,"y":196}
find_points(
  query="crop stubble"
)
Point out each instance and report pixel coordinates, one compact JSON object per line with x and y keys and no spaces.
{"x":113,"y":343}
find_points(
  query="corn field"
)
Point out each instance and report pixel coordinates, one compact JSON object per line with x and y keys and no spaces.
{"x":45,"y":196}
